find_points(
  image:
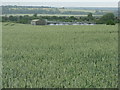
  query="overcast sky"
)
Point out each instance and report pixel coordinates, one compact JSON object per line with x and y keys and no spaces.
{"x":59,"y":0}
{"x":65,"y":3}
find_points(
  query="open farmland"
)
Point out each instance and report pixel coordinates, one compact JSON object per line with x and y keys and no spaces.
{"x":57,"y":11}
{"x":59,"y":56}
{"x":49,"y":15}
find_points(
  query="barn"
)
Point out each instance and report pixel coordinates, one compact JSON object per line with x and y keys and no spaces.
{"x":39,"y":22}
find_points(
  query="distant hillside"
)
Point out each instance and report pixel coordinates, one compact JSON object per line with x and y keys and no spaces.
{"x":55,"y":10}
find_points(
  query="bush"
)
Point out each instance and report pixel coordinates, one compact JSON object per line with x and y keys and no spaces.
{"x":110,"y":22}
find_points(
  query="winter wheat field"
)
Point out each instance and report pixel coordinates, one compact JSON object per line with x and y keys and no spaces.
{"x":59,"y":56}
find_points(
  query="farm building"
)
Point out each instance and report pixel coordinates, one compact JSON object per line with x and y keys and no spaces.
{"x":39,"y":22}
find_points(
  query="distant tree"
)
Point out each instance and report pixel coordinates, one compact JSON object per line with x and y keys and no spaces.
{"x":54,"y":17}
{"x":20,"y":17}
{"x":11,"y":18}
{"x":90,"y":16}
{"x":107,"y":18}
{"x":5,"y":18}
{"x":84,"y":19}
{"x":72,"y":18}
{"x":35,"y":15}
{"x":24,"y":19}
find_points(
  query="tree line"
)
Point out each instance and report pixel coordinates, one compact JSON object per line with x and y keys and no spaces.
{"x":108,"y":19}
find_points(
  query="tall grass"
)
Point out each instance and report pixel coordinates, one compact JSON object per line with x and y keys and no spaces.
{"x":60,"y":56}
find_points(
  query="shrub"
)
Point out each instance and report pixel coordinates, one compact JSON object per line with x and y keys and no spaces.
{"x":110,"y":22}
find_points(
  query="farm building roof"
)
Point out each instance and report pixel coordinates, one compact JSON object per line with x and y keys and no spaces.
{"x":35,"y":20}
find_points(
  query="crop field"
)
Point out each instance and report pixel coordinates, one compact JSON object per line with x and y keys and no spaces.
{"x":63,"y":10}
{"x":59,"y":56}
{"x":48,"y":15}
{"x":79,"y":10}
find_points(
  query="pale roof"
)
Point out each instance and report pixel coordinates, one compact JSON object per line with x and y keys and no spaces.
{"x":35,"y":20}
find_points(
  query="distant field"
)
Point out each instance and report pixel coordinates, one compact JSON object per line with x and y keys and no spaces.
{"x":65,"y":9}
{"x":47,"y":15}
{"x":58,"y":11}
{"x":59,"y":56}
{"x":78,"y":10}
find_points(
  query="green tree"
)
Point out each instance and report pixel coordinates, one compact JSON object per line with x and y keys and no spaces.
{"x":24,"y":19}
{"x":107,"y":18}
{"x":90,"y":16}
{"x":11,"y":18}
{"x":5,"y":18}
{"x":35,"y":15}
{"x":72,"y":18}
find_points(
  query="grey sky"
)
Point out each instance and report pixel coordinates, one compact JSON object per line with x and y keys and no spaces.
{"x":59,"y":0}
{"x":64,"y":3}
